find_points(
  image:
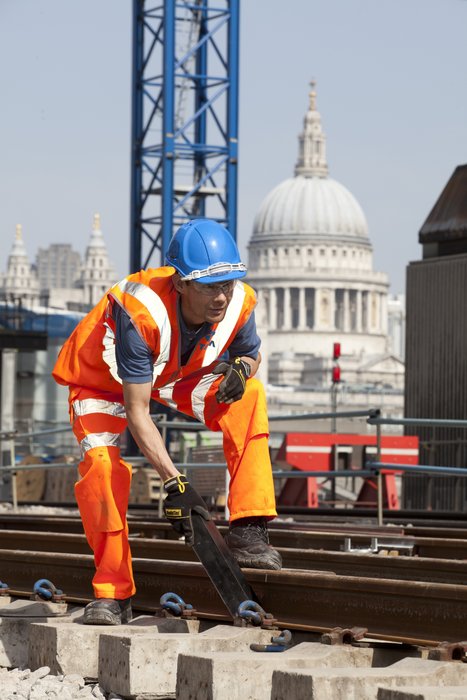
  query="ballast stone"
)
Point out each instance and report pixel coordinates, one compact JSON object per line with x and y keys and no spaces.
{"x":342,"y":684}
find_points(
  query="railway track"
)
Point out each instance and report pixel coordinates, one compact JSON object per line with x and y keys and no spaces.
{"x":368,"y":565}
{"x":411,"y":611}
{"x":394,"y":597}
{"x":429,"y":542}
{"x":403,"y":602}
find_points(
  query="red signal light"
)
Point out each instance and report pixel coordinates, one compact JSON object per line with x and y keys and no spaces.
{"x":336,"y":351}
{"x":336,"y":374}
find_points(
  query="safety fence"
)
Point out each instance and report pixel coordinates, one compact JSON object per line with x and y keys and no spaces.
{"x":375,"y":468}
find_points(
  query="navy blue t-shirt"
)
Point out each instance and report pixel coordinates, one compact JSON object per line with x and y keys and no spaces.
{"x":134,"y":358}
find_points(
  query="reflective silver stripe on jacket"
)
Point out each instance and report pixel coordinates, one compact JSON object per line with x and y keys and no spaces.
{"x":109,"y":355}
{"x":166,"y":393}
{"x":226,"y":326}
{"x":199,"y":394}
{"x":99,"y":440}
{"x":87,"y":406}
{"x":156,"y":308}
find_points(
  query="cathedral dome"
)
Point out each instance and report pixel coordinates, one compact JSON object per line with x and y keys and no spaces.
{"x":314,"y":206}
{"x":311,"y":205}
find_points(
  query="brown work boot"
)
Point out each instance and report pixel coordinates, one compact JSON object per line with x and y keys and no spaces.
{"x":107,"y":611}
{"x":248,"y":540}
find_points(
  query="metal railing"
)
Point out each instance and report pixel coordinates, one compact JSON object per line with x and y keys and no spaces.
{"x":376,"y":468}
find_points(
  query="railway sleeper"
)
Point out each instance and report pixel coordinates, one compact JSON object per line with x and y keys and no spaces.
{"x":165,"y":657}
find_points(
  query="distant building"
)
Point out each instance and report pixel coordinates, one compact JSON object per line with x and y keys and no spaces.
{"x":60,"y":279}
{"x":51,"y":296}
{"x":58,"y":266}
{"x":436,"y":348}
{"x":20,"y":282}
{"x":310,"y":260}
{"x":97,"y":273}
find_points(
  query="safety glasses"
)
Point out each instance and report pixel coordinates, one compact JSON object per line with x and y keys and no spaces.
{"x":213,"y":290}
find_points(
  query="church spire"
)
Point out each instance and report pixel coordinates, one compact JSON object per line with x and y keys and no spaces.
{"x":97,"y":239}
{"x":312,"y":142}
{"x":18,"y":249}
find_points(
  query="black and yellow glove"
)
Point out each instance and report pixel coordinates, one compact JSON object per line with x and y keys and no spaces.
{"x":232,"y":387}
{"x":180,"y":501}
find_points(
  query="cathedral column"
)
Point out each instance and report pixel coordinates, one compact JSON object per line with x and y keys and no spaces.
{"x":358,"y":302}
{"x":317,"y":324}
{"x":346,"y":311}
{"x":384,"y":313}
{"x":272,"y":309}
{"x":332,"y":309}
{"x":376,"y":311}
{"x":301,"y":309}
{"x":287,"y":314}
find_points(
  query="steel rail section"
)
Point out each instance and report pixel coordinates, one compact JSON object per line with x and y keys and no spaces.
{"x":398,"y":610}
{"x":161,"y":529}
{"x":329,"y":540}
{"x":342,"y":563}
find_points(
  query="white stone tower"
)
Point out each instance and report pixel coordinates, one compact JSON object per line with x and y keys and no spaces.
{"x":20,"y":284}
{"x":98,"y":273}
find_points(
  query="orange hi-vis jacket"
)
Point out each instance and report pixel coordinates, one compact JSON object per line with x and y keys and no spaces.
{"x":87,"y":364}
{"x":88,"y":359}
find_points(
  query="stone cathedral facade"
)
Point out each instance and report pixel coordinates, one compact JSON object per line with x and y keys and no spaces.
{"x":311,"y":262}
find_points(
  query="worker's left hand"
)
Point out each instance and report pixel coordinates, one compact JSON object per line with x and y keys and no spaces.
{"x":232,"y":387}
{"x":181,"y":499}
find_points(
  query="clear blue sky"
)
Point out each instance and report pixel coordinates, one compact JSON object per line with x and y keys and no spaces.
{"x":391,"y":81}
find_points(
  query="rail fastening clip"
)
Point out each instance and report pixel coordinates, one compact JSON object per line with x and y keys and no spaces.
{"x":250,"y":611}
{"x":175,"y":605}
{"x":279,"y":643}
{"x":46,"y":590}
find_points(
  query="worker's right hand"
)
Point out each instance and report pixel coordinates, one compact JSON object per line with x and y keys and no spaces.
{"x":180,"y":501}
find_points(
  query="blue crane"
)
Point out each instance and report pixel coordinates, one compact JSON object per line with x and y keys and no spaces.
{"x":184,"y":120}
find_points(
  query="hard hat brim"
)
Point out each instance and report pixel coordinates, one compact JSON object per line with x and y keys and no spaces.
{"x":212,"y":279}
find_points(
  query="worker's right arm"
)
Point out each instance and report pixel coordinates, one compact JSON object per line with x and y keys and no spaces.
{"x":143,"y":429}
{"x":181,"y":497}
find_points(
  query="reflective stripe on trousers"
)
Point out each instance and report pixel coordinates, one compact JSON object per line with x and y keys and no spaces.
{"x":103,"y":491}
{"x":102,"y":494}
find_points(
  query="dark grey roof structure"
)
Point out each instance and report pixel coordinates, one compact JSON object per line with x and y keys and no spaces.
{"x":445,"y":229}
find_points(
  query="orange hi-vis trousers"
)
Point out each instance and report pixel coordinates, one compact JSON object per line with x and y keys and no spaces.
{"x":103,"y":490}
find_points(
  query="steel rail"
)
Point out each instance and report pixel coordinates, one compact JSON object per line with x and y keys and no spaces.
{"x":452,"y":547}
{"x":399,"y":610}
{"x":342,"y":563}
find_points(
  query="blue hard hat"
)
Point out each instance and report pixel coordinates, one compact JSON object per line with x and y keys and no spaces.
{"x":203,"y":250}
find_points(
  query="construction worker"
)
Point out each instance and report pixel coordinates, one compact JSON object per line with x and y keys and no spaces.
{"x":183,"y":335}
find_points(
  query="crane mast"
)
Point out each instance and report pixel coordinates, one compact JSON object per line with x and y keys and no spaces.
{"x":184,"y":120}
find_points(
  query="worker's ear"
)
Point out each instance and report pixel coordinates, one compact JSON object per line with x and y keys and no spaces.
{"x":178,"y":284}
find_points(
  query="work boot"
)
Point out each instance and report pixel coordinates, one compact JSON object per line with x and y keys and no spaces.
{"x":107,"y":611}
{"x":248,"y":540}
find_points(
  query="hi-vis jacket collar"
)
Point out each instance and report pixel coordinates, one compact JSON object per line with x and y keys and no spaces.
{"x":215,"y":270}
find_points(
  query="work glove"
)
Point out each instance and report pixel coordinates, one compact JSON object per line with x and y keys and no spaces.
{"x":232,"y":387}
{"x":180,"y":501}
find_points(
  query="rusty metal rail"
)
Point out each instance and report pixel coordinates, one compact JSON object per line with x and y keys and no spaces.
{"x":452,"y":546}
{"x":343,"y":563}
{"x":401,"y":610}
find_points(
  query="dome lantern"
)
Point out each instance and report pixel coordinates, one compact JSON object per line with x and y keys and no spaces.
{"x":312,"y":142}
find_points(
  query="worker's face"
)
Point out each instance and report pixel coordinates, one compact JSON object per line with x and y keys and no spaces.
{"x":205,"y":302}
